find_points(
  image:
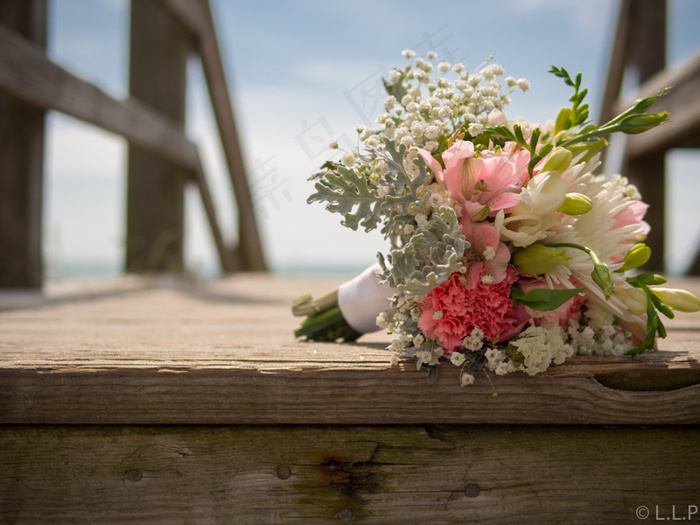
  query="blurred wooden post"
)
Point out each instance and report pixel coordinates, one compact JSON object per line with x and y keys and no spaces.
{"x":640,"y":42}
{"x":21,"y":163}
{"x":160,"y":46}
{"x":648,"y":26}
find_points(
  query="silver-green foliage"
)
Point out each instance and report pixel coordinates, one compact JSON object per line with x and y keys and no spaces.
{"x":429,"y":257}
{"x":418,"y":261}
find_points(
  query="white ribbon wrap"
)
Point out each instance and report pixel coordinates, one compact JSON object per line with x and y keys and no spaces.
{"x":362,"y":299}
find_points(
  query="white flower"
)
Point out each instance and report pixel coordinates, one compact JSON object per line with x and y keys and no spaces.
{"x":348,"y":159}
{"x":408,"y":53}
{"x":394,"y":76}
{"x":466,"y":379}
{"x":443,"y":67}
{"x":539,"y":345}
{"x":431,"y":54}
{"x":523,"y":84}
{"x":475,"y":129}
{"x":333,"y":144}
{"x":535,"y":213}
{"x":457,"y":358}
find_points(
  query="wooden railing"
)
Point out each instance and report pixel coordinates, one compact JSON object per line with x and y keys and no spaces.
{"x":160,"y":154}
{"x":640,"y":44}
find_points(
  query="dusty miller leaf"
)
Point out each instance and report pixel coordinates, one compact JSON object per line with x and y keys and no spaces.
{"x":345,"y":190}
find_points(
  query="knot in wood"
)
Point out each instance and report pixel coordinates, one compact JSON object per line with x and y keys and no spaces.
{"x":472,"y":490}
{"x":283,"y":471}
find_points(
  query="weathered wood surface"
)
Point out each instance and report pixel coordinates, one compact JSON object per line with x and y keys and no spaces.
{"x":223,"y":353}
{"x":406,"y":474}
{"x":21,"y":162}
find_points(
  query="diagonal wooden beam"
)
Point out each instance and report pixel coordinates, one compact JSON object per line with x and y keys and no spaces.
{"x":27,"y":74}
{"x":197,"y":17}
{"x":229,"y":263}
{"x":249,"y":242}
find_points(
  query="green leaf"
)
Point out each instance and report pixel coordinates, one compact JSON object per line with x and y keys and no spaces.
{"x":661,"y":306}
{"x":396,"y":90}
{"x":474,"y":362}
{"x":348,"y":193}
{"x":543,"y":299}
{"x":432,"y":374}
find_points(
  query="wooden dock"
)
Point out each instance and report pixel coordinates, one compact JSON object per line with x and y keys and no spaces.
{"x":166,"y":402}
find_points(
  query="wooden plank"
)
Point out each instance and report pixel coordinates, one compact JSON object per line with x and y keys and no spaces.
{"x":249,"y":245}
{"x":27,"y":74}
{"x":414,"y":474}
{"x":224,"y":353}
{"x":156,"y":188}
{"x":21,"y":163}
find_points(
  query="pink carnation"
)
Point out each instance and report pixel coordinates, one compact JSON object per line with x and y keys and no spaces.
{"x":452,"y":310}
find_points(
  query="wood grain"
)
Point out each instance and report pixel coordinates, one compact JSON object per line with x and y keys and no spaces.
{"x":223,"y":353}
{"x":408,"y":474}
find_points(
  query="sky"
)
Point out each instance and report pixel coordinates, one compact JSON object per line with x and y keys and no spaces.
{"x":300,"y":74}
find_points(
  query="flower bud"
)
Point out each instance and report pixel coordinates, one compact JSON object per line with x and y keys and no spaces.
{"x":591,"y":147}
{"x":635,"y":300}
{"x":562,"y":121}
{"x":640,"y":123}
{"x":559,"y":160}
{"x":576,"y":204}
{"x":538,"y":259}
{"x":681,"y":300}
{"x":603,"y":278}
{"x":636,"y":256}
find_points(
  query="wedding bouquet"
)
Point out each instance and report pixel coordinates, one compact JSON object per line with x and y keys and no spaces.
{"x":507,"y":252}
